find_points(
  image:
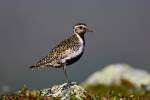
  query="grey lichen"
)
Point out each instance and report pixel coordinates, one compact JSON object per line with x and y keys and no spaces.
{"x":66,"y":91}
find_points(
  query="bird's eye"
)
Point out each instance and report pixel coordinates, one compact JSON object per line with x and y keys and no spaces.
{"x":80,"y":27}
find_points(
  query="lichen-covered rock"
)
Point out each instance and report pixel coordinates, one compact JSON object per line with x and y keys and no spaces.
{"x":66,"y":92}
{"x":115,"y":73}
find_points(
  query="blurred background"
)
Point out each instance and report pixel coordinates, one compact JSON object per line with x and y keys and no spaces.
{"x":29,"y":28}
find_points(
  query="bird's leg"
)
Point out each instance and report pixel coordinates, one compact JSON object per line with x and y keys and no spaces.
{"x":65,"y":72}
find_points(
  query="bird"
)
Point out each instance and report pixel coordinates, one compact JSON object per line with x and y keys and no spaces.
{"x":66,"y":52}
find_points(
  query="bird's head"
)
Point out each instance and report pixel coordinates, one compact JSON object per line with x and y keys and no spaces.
{"x":81,"y":28}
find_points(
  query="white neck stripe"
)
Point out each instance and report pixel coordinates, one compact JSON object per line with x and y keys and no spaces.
{"x":80,"y":39}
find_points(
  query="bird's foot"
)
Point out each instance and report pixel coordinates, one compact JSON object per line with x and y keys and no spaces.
{"x":69,"y":84}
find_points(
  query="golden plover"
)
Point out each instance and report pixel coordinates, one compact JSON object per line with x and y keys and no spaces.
{"x":67,"y":51}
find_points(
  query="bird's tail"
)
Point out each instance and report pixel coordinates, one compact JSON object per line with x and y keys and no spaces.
{"x":33,"y":66}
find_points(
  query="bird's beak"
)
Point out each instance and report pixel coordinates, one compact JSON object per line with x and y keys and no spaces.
{"x":88,"y":30}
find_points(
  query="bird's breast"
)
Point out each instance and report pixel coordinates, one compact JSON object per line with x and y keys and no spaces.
{"x":74,"y":53}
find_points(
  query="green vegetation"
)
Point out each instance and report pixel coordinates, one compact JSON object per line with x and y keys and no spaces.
{"x":126,"y":91}
{"x":25,"y":94}
{"x":114,"y":92}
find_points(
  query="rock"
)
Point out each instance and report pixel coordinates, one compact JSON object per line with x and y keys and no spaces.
{"x":114,"y":73}
{"x":66,"y":91}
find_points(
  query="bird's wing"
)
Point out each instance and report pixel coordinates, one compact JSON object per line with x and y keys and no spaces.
{"x":63,"y":49}
{"x":58,"y":53}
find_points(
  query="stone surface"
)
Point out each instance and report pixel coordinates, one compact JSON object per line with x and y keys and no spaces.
{"x":114,"y":73}
{"x":66,"y":91}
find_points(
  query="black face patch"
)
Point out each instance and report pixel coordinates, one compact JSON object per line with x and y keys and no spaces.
{"x":81,"y":27}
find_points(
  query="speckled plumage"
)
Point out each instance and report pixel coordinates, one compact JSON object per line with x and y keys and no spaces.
{"x":55,"y":56}
{"x":67,"y":51}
